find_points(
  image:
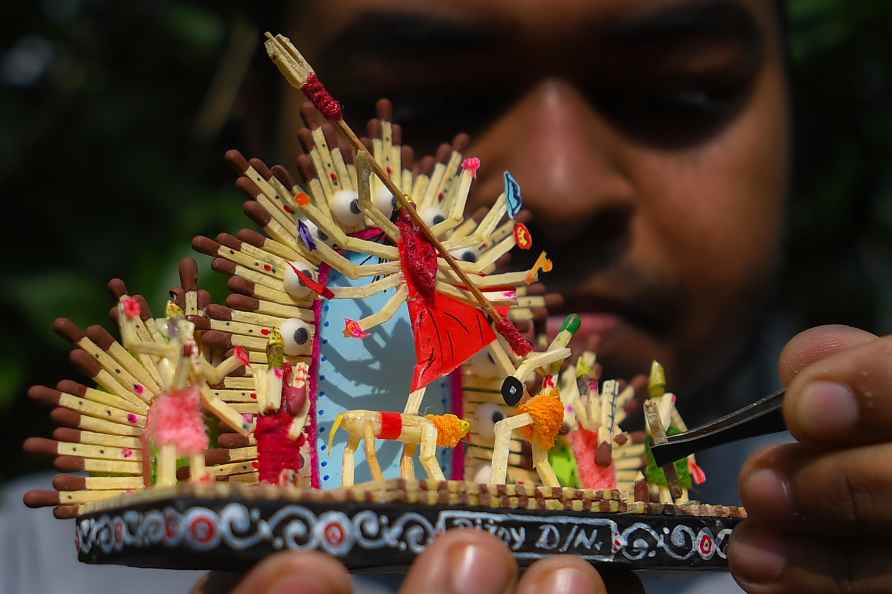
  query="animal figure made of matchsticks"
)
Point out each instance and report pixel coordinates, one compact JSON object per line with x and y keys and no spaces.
{"x":174,"y":423}
{"x":428,"y":432}
{"x":539,"y":418}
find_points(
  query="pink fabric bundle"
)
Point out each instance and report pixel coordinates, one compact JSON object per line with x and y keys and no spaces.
{"x":175,"y":419}
{"x":591,"y":475}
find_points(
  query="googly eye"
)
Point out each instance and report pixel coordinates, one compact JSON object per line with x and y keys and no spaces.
{"x":385,"y":201}
{"x":433,"y":215}
{"x":294,"y":286}
{"x":296,"y":334}
{"x":466,"y":254}
{"x":315,"y":235}
{"x":346,"y":211}
{"x":486,"y":418}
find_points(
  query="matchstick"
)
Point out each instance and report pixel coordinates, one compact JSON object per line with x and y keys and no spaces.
{"x":71,"y":418}
{"x":86,"y":407}
{"x":41,"y":445}
{"x":68,"y":435}
{"x":268,"y":308}
{"x":98,"y":396}
{"x":269,"y":245}
{"x":70,"y":482}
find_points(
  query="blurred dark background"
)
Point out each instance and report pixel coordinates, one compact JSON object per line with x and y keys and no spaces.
{"x":115,"y":117}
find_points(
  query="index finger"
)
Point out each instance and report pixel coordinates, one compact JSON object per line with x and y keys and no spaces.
{"x":844,"y":398}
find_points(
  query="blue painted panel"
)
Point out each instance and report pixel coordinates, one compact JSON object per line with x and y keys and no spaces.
{"x":370,"y":374}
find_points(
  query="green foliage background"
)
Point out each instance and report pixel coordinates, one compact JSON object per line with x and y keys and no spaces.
{"x":111,"y":160}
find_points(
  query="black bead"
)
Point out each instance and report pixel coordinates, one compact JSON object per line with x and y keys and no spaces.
{"x":512,"y":390}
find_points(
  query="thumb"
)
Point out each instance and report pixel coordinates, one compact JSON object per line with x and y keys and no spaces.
{"x":566,"y":574}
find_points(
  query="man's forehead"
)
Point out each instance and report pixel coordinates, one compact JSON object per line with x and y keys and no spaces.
{"x":531,"y":17}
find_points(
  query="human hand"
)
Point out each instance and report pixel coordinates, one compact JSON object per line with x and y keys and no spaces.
{"x":819,"y":509}
{"x":459,"y":562}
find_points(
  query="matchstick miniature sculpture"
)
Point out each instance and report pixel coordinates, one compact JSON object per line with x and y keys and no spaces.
{"x":367,"y":230}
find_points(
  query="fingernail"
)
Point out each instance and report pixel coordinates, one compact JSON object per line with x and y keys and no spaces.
{"x":756,"y":557}
{"x":827,"y":408}
{"x":565,"y":580}
{"x":767,"y":490}
{"x":299,"y":584}
{"x":476,"y":570}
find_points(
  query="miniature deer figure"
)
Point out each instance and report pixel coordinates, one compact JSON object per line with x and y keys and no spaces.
{"x":427,"y":431}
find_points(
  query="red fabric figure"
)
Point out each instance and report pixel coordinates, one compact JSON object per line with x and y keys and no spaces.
{"x":276,"y":451}
{"x":447,"y":331}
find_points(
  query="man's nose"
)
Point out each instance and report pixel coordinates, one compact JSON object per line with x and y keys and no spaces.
{"x":564,"y":155}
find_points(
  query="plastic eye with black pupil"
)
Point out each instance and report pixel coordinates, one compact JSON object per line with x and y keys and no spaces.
{"x":469,"y":256}
{"x":296,"y":336}
{"x":512,"y":390}
{"x":438,"y":219}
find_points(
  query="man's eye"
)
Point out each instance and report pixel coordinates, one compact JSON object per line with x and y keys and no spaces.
{"x":673,"y":117}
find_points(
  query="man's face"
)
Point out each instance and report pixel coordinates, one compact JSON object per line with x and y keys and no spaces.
{"x":649,"y":137}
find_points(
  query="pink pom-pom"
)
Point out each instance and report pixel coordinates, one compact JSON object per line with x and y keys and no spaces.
{"x":471,"y":164}
{"x":175,"y":419}
{"x":591,"y":475}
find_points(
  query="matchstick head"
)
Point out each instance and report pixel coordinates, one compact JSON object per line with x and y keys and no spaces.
{"x":237,"y":161}
{"x":188,"y":270}
{"x":100,"y":336}
{"x":68,"y":329}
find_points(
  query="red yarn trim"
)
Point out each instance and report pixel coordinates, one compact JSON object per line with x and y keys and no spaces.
{"x":520,"y":345}
{"x":391,"y":425}
{"x":418,"y":255}
{"x":321,"y":98}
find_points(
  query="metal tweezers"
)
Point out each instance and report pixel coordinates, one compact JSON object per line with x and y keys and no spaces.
{"x":759,"y":418}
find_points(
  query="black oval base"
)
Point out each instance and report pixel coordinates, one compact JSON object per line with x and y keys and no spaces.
{"x":191,"y":529}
